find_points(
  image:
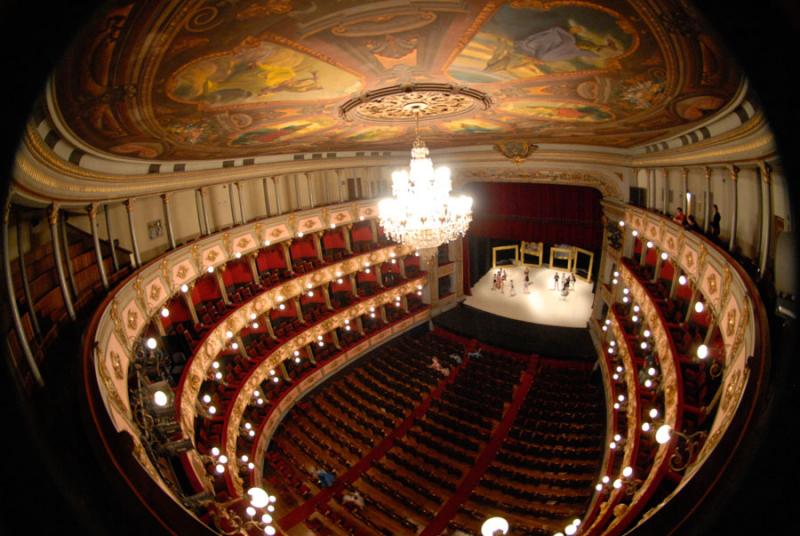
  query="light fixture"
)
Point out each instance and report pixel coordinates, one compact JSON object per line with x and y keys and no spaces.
{"x":627,"y":472}
{"x":238,"y":254}
{"x":160,"y":398}
{"x":664,"y":256}
{"x":702,"y":351}
{"x":210,"y":269}
{"x":151,"y":343}
{"x":635,"y":232}
{"x":682,"y":279}
{"x":422,"y":214}
{"x":645,"y":427}
{"x":494,"y":524}
{"x":649,"y":244}
{"x":184,"y":288}
{"x":663,"y":434}
{"x":653,"y":413}
{"x":165,"y":312}
{"x":699,"y":307}
{"x":621,"y":223}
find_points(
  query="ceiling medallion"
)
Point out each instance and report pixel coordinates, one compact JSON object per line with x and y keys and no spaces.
{"x":517,"y":151}
{"x":411,"y":101}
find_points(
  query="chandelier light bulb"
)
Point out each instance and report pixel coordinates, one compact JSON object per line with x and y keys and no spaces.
{"x":599,"y":487}
{"x":223,"y":459}
{"x":165,"y":312}
{"x":235,"y":346}
{"x":682,"y":280}
{"x":229,"y":334}
{"x":206,"y":398}
{"x":184,"y":288}
{"x":282,"y":307}
{"x":218,"y":375}
{"x":653,"y":413}
{"x":619,"y":368}
{"x":636,"y":308}
{"x":238,"y":254}
{"x":646,"y":333}
{"x":621,"y":223}
{"x":608,"y":322}
{"x":615,"y":376}
{"x":160,"y":398}
{"x":617,"y":437}
{"x":212,"y":410}
{"x":151,"y":343}
{"x":219,"y":468}
{"x":702,"y":351}
{"x":648,"y":383}
{"x":643,"y":345}
{"x":615,"y":281}
{"x":616,"y":405}
{"x":635,"y":318}
{"x":250,"y":511}
{"x":664,"y":256}
{"x":258,"y":497}
{"x":635,"y":232}
{"x":699,"y":307}
{"x":616,"y":274}
{"x":625,"y":299}
{"x":253,"y":316}
{"x":617,"y":483}
{"x":214,"y":451}
{"x":645,"y":427}
{"x":649,"y":244}
{"x":250,"y":466}
{"x":210,"y":269}
{"x":626,"y":291}
{"x":604,"y":328}
{"x":570,"y":530}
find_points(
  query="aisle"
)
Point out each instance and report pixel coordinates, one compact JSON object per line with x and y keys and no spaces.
{"x":542,"y":304}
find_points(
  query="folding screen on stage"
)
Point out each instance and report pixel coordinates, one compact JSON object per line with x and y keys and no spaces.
{"x":504,"y":213}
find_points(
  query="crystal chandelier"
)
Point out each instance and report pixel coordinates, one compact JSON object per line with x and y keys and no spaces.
{"x":422,"y":214}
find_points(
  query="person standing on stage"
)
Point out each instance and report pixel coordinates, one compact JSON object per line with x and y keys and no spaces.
{"x":556,"y":279}
{"x":527,"y":279}
{"x":511,"y":291}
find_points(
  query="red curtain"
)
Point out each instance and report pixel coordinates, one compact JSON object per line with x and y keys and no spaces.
{"x":551,"y":213}
{"x":206,"y":288}
{"x":333,"y":239}
{"x":303,"y":248}
{"x":237,"y":272}
{"x":270,"y":258}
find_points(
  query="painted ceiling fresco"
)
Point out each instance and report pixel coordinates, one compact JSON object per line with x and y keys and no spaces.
{"x":189,"y":79}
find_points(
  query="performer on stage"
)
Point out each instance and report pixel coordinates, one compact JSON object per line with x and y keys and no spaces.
{"x":555,"y":287}
{"x":527,"y":280}
{"x":511,"y":292}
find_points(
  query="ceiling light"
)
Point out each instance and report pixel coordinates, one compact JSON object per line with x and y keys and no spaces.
{"x":699,"y":307}
{"x":663,"y":434}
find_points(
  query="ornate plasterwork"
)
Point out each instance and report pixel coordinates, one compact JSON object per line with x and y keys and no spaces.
{"x":406,"y":102}
{"x":606,"y":185}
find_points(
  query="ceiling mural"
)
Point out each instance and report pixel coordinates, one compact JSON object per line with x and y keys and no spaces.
{"x":193,"y":79}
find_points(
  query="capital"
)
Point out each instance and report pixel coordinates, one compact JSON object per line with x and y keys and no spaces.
{"x":765,"y":170}
{"x":92,"y":211}
{"x":707,"y":169}
{"x":734,"y":171}
{"x":52,"y":214}
{"x":129,"y":205}
{"x":165,"y":197}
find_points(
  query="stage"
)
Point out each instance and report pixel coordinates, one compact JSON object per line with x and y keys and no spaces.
{"x":541,"y":305}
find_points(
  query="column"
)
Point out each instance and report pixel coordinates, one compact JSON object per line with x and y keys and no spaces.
{"x":168,"y":220}
{"x":187,"y":297}
{"x":325,"y":199}
{"x":129,"y":207}
{"x":339,"y":174}
{"x":378,"y":275}
{"x":673,"y":289}
{"x":251,"y":262}
{"x":268,"y":322}
{"x":221,"y":284}
{"x":265,"y":187}
{"x":335,"y":337}
{"x":242,"y":349}
{"x":402,"y":262}
{"x":318,"y":245}
{"x":67,"y":258}
{"x":296,"y":192}
{"x":310,"y":185}
{"x":734,"y":171}
{"x":25,"y":284}
{"x":299,"y":310}
{"x":12,"y":299}
{"x":111,"y":240}
{"x":287,"y":255}
{"x":233,"y":208}
{"x":692,"y":301}
{"x":765,"y":171}
{"x":707,"y":200}
{"x":309,"y":354}
{"x":685,"y":179}
{"x":373,"y":225}
{"x":62,"y":279}
{"x":360,"y":325}
{"x":665,"y":191}
{"x":203,"y":208}
{"x":383,"y":314}
{"x":651,"y":188}
{"x":353,"y":284}
{"x":242,"y":217}
{"x":96,"y":239}
{"x":198,"y":203}
{"x":327,"y":295}
{"x":348,"y":243}
{"x":277,"y":195}
{"x":284,"y":372}
{"x":404,"y":302}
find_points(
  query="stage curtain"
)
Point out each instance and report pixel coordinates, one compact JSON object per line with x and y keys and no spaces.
{"x":554,"y":214}
{"x":506,"y":213}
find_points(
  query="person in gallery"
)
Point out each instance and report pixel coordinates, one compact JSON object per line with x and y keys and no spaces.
{"x":679,"y":217}
{"x":691,"y":224}
{"x":715,"y":219}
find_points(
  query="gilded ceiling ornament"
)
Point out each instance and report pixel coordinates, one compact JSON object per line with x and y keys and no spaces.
{"x":689,"y":260}
{"x":182,"y":271}
{"x":339,"y":217}
{"x":212,"y":255}
{"x":276,"y":232}
{"x":407,"y":102}
{"x":309,"y":223}
{"x":243,"y":242}
{"x":516,"y":151}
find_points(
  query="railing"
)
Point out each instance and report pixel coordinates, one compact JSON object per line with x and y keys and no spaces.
{"x":122,"y":318}
{"x":736,"y":309}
